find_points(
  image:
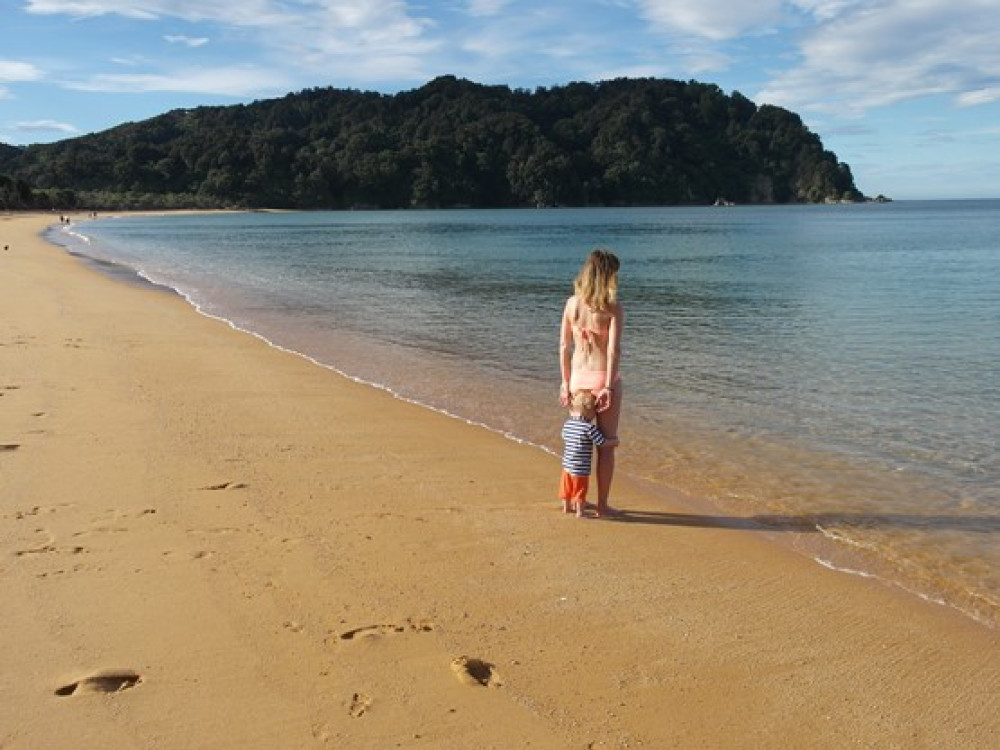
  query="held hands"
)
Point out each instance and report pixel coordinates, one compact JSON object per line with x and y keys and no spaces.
{"x":604,"y":399}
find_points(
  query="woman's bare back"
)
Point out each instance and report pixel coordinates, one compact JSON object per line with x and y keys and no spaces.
{"x":591,"y":332}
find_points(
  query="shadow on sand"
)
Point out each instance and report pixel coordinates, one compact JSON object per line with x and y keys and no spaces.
{"x":810,"y":523}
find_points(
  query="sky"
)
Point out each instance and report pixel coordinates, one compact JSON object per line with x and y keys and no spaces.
{"x":907,"y":92}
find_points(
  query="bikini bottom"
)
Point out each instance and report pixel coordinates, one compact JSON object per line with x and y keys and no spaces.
{"x":588,"y":380}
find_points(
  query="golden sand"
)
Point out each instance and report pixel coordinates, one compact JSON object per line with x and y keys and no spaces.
{"x":208,"y":543}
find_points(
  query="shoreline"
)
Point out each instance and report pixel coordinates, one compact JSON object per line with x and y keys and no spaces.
{"x":835,"y":555}
{"x":129,"y":275}
{"x":279,"y":552}
{"x":716,"y":476}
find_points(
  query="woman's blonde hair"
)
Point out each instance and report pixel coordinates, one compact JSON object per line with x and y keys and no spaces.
{"x":597,"y":282}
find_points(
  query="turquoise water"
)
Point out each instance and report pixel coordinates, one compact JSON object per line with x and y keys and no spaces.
{"x":829,"y":372}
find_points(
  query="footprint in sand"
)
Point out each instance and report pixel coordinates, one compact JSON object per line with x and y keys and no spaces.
{"x":9,"y":447}
{"x":475,"y":672}
{"x":360,"y":703}
{"x":48,"y":546}
{"x":225,"y":486}
{"x":104,"y":681}
{"x":20,"y":515}
{"x":368,"y":631}
{"x":101,"y":529}
{"x":49,"y":549}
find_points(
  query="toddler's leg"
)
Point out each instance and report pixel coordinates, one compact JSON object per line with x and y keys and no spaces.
{"x":580,"y":504}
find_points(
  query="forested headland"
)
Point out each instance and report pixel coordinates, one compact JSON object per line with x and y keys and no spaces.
{"x":449,"y":143}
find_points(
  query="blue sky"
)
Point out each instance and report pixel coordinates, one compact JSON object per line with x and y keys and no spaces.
{"x":905,"y":91}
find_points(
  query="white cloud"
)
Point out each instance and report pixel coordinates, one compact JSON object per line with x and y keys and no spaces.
{"x":130,"y":62}
{"x":824,"y":10}
{"x":713,"y":19}
{"x":12,"y":71}
{"x":371,"y":26}
{"x":186,"y":40}
{"x":236,"y":82}
{"x":375,"y":38}
{"x":304,"y":16}
{"x":518,"y":36}
{"x":876,"y":56}
{"x":853,"y":55}
{"x":373,"y":41}
{"x":979,"y":96}
{"x":45,"y":126}
{"x":243,"y":13}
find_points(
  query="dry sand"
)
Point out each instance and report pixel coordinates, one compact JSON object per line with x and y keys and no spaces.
{"x":209,"y":543}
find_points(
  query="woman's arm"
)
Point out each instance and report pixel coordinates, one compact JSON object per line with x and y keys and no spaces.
{"x":614,"y":355}
{"x":565,"y":352}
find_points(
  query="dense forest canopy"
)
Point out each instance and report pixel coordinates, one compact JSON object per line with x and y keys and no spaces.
{"x":449,"y":143}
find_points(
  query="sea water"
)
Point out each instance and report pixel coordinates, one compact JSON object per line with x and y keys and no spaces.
{"x":827,"y":375}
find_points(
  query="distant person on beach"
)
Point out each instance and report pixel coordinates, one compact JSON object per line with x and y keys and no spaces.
{"x":580,"y":435}
{"x":590,"y":353}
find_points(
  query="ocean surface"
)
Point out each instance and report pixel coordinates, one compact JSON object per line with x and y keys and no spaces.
{"x":828,"y":375}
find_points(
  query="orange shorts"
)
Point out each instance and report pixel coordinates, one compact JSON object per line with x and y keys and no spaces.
{"x":573,"y":487}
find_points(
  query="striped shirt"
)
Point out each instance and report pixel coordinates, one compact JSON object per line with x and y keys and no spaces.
{"x":579,"y":437}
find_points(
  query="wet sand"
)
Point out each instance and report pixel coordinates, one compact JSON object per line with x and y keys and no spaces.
{"x":208,"y":543}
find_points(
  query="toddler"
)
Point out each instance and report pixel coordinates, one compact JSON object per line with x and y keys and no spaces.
{"x":580,"y":435}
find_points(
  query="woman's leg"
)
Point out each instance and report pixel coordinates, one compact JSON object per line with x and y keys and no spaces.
{"x":607,"y":420}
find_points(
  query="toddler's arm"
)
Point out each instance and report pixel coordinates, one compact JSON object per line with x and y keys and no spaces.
{"x":600,"y":439}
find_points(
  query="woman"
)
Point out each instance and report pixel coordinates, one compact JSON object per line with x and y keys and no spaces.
{"x":590,"y":353}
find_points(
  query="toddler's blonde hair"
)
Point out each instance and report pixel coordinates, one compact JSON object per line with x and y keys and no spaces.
{"x":584,"y":401}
